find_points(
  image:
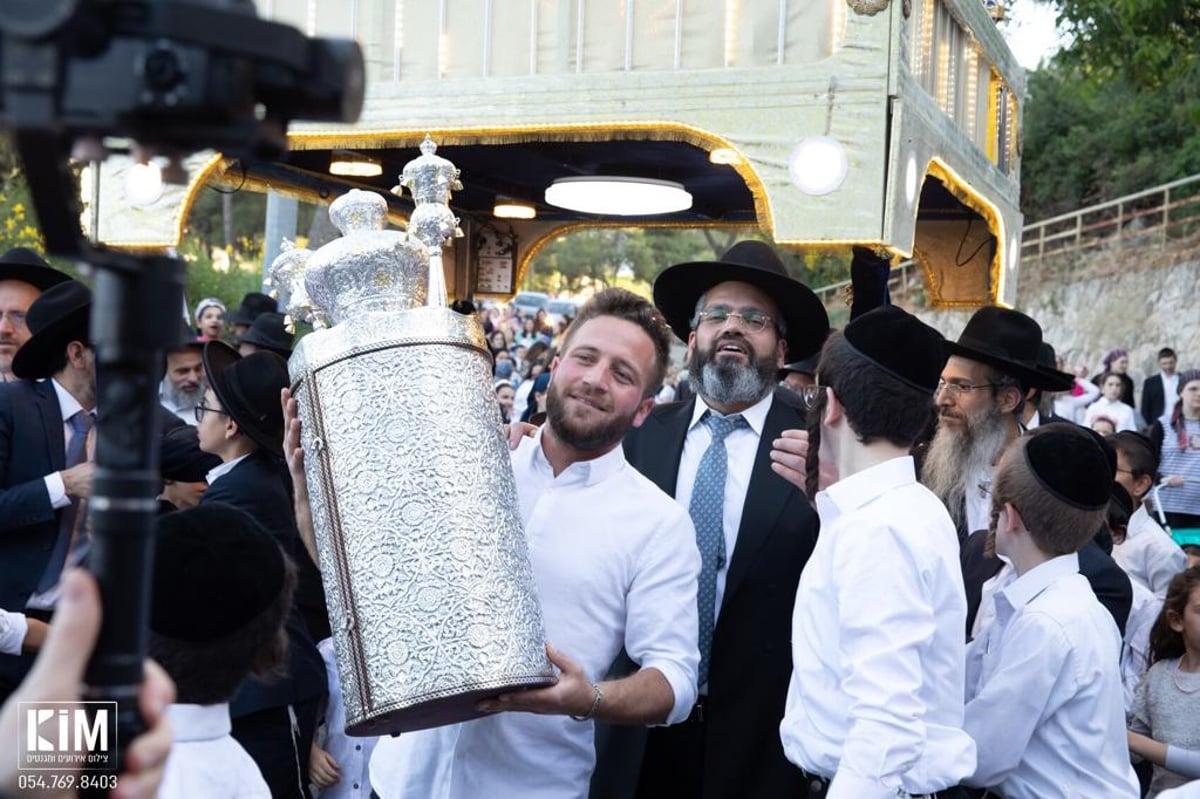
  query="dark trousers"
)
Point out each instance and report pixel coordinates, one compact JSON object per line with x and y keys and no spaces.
{"x":282,"y":754}
{"x":674,"y":762}
{"x":818,"y":787}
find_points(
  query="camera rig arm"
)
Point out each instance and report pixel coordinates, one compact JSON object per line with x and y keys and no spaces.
{"x":175,"y":76}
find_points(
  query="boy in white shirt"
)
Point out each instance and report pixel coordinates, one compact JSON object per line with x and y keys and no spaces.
{"x":1044,"y":693}
{"x":872,"y":709}
{"x":222,"y":589}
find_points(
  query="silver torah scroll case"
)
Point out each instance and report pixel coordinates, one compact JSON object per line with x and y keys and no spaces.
{"x":430,"y":592}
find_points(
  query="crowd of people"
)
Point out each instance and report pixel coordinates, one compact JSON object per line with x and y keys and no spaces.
{"x":862,"y":563}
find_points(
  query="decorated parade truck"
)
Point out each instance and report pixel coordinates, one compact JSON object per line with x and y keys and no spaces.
{"x":889,"y":123}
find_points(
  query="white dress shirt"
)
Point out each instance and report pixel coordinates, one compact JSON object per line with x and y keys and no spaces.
{"x":1170,"y":388}
{"x":1148,"y":554}
{"x":1044,"y":696}
{"x":741,"y":447}
{"x":351,"y":753}
{"x":13,"y":629}
{"x":1116,"y":410}
{"x":616,"y":564}
{"x":979,"y":500}
{"x":877,"y":647}
{"x":1135,"y":649}
{"x":205,"y":761}
{"x":217,"y":472}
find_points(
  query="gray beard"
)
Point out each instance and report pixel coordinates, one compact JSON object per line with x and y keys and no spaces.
{"x":729,"y":383}
{"x":181,"y":400}
{"x":956,"y":457}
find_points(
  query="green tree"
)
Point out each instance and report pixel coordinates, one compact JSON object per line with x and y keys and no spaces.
{"x":1116,"y":111}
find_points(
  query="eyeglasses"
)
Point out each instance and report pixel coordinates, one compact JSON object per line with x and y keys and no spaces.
{"x":200,"y":409}
{"x":750,"y":319}
{"x":958,"y":388}
{"x":16,"y":317}
{"x":809,"y":395}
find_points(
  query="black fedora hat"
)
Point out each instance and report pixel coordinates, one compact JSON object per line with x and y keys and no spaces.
{"x":679,"y":287}
{"x":22,"y":263}
{"x":1007,"y":340}
{"x":1047,"y":362}
{"x":248,"y":389}
{"x":187,"y":339}
{"x":253,"y":304}
{"x":61,"y":315}
{"x":269,"y":332}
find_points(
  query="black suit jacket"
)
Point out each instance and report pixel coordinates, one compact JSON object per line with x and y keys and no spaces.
{"x":1153,"y":402}
{"x":31,"y":447}
{"x":751,"y":662}
{"x":258,"y":485}
{"x":1109,"y":582}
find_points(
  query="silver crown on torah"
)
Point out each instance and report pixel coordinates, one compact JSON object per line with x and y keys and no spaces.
{"x":431,"y":595}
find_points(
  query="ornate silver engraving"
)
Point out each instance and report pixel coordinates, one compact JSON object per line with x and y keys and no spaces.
{"x":427,"y":577}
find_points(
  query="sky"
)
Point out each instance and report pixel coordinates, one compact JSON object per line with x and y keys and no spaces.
{"x":1030,"y":31}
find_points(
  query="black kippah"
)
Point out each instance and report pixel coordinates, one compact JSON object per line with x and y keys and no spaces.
{"x":215,"y":570}
{"x":1071,"y":465}
{"x":181,"y":457}
{"x":899,"y":344}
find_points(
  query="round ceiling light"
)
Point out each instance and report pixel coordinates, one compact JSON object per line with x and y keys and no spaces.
{"x":818,"y":165}
{"x":143,"y":184}
{"x":618,"y":196}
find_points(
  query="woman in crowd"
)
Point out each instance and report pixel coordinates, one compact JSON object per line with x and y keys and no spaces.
{"x":1179,"y":460}
{"x":1117,"y":363}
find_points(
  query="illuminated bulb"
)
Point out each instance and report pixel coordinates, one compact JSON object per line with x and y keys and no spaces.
{"x":818,"y":165}
{"x":725,"y":156}
{"x":511,"y":209}
{"x":143,"y":184}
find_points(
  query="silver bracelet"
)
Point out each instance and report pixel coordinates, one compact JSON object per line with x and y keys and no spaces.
{"x":597,"y":695}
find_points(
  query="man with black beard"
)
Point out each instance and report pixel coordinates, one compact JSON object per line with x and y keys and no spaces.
{"x":980,"y":398}
{"x":742,"y":318}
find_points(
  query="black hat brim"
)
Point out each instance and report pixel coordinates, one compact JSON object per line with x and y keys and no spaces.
{"x":1030,"y":376}
{"x":218,"y":357}
{"x":36,"y":358}
{"x":679,"y":287}
{"x":19,"y":264}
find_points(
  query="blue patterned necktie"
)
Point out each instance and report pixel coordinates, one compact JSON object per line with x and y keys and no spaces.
{"x":707,"y":509}
{"x":69,"y":524}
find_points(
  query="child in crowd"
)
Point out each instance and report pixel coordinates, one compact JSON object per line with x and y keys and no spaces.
{"x":1146,"y":553}
{"x":1044,"y":695}
{"x":339,"y":765}
{"x":1165,"y":723}
{"x":222,"y":589}
{"x":1110,"y":404}
{"x":1144,"y":608}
